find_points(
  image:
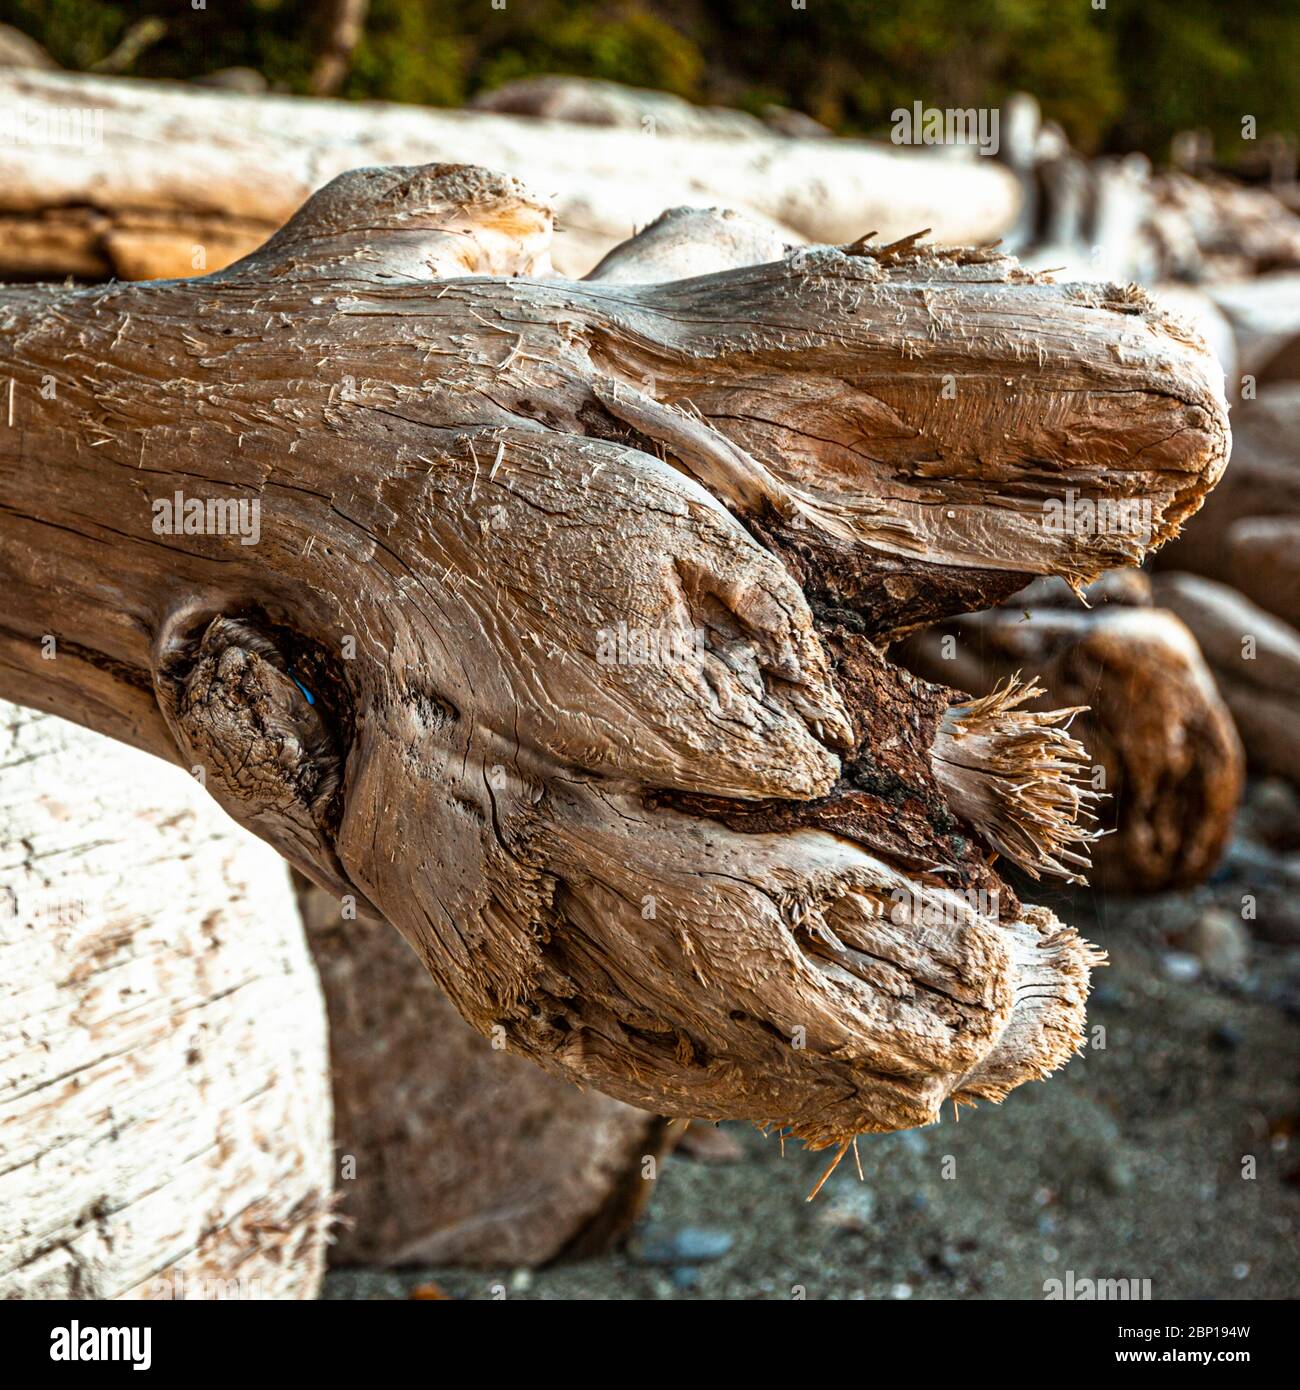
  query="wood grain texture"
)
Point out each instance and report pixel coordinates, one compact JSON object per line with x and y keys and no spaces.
{"x":541,"y":555}
{"x":164,"y":1096}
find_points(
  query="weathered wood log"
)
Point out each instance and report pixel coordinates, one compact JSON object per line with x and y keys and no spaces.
{"x":17,"y":50}
{"x":1210,"y":322}
{"x":164,"y":1094}
{"x":186,"y":179}
{"x":594,"y":102}
{"x":1172,"y":764}
{"x":1256,"y":663}
{"x":1238,"y":230}
{"x":1265,"y":316}
{"x":557,"y":647}
{"x":451,"y":1151}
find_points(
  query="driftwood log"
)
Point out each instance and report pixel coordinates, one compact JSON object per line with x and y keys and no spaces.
{"x":592,"y":102}
{"x":1171,"y":763}
{"x":164,"y":1101}
{"x":1263,"y":482}
{"x":1264,"y":562}
{"x":559,"y":644}
{"x":451,"y":1151}
{"x":1255,"y":658}
{"x":1237,"y":230}
{"x":181,"y":179}
{"x":1264,"y":313}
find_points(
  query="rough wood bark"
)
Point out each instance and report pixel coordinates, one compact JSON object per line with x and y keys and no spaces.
{"x":180,"y":169}
{"x":1255,"y":658}
{"x":164,"y":1095}
{"x":1153,"y":721}
{"x":564,"y":566}
{"x":452,"y":1151}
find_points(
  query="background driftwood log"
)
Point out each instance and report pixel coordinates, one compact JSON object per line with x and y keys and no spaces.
{"x":1255,"y":658}
{"x":164,"y":1103}
{"x":706,"y":884}
{"x":450,"y":1150}
{"x":184,"y":173}
{"x":1153,"y":720}
{"x":1263,"y":482}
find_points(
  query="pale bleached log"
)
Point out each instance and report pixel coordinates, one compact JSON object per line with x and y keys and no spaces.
{"x":690,"y":241}
{"x":1207,"y":320}
{"x":583,"y":579}
{"x":182,"y":172}
{"x":592,"y":101}
{"x":17,"y":50}
{"x":1154,"y":724}
{"x":164,"y":1092}
{"x":1255,"y":658}
{"x":451,"y":1151}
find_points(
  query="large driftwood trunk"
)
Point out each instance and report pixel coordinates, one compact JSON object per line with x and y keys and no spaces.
{"x":182,"y":170}
{"x":452,"y":1151}
{"x":164,"y":1096}
{"x":559,"y":644}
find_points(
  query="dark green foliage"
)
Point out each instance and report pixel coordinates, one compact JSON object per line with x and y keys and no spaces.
{"x":1124,"y":76}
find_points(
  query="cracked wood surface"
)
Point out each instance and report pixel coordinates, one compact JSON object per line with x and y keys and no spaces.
{"x":486,"y":499}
